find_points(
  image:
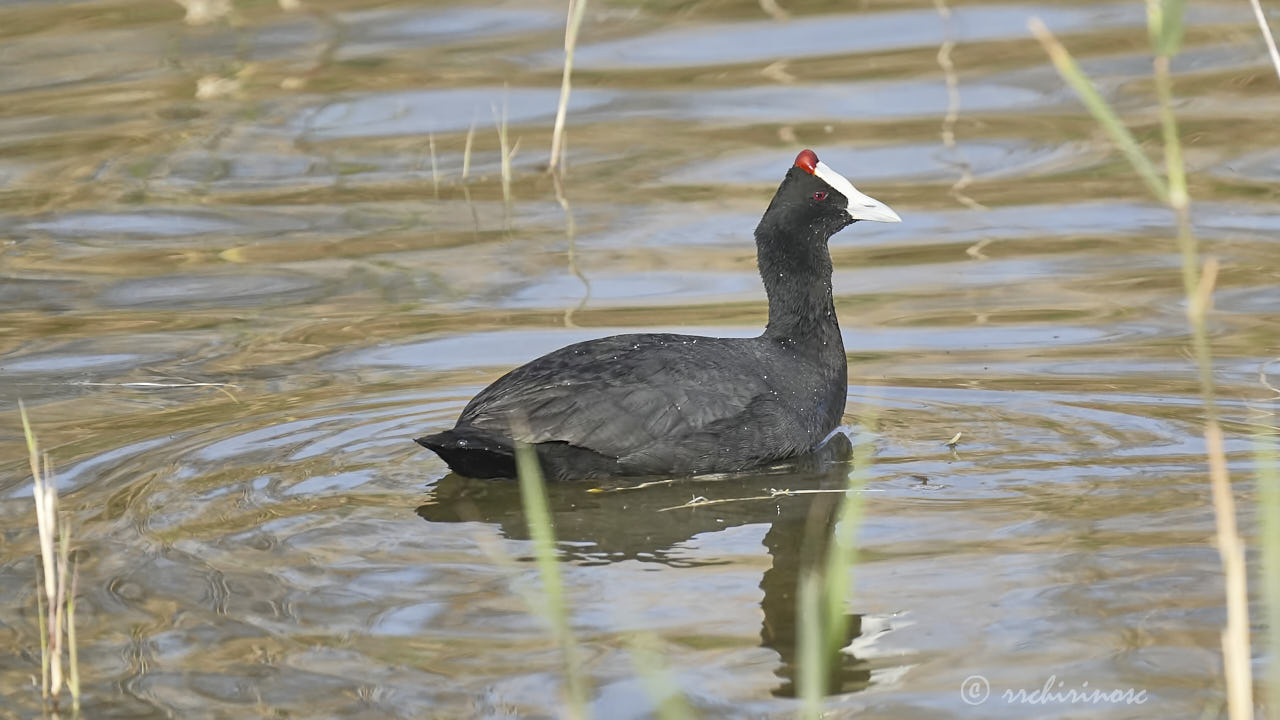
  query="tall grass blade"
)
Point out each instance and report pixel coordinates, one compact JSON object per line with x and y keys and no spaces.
{"x":823,"y":595}
{"x":1164,"y":23}
{"x":810,"y":646}
{"x":1098,"y":107}
{"x":842,"y":557}
{"x":1175,"y":169}
{"x":533,"y":496}
{"x":658,"y":682}
{"x":1193,"y":283}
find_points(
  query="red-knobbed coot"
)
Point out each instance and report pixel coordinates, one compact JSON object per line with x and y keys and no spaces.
{"x":663,"y":404}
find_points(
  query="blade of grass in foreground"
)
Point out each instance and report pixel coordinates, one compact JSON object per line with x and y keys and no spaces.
{"x":668,"y":701}
{"x":1165,"y":28}
{"x":822,"y":596}
{"x":811,"y":654}
{"x":1164,"y":24}
{"x":534,"y":498}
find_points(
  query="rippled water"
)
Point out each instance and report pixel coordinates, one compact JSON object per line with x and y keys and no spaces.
{"x":234,"y":288}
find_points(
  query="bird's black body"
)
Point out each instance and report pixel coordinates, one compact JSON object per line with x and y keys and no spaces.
{"x":660,"y":404}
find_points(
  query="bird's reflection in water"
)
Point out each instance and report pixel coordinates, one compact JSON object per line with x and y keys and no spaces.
{"x":624,"y":523}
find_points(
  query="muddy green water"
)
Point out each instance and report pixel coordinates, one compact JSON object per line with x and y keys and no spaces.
{"x":253,"y":204}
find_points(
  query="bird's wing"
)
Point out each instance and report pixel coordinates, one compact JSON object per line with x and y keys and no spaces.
{"x":618,"y":395}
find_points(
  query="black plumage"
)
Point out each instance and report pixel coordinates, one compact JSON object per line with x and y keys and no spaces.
{"x":660,"y":403}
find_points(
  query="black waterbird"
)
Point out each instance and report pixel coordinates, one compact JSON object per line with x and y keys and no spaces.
{"x":664,"y":404}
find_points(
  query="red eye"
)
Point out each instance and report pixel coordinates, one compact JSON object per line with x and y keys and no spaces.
{"x":819,"y":196}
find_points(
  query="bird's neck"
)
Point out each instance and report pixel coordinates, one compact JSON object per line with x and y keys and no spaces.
{"x":797,"y":279}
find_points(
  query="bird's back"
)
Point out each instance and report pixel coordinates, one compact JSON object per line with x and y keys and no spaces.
{"x":649,"y":404}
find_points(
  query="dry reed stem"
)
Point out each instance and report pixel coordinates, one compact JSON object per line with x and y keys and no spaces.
{"x":1202,"y":298}
{"x":59,"y":624}
{"x":1266,"y":34}
{"x":54,"y":562}
{"x":1199,"y":284}
{"x":774,"y":10}
{"x":223,"y":388}
{"x":577,"y":8}
{"x":1235,"y":638}
{"x":1165,"y":26}
{"x":774,"y":494}
{"x":46,"y":500}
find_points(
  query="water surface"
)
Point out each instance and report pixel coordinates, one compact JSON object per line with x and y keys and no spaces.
{"x":236,"y":282}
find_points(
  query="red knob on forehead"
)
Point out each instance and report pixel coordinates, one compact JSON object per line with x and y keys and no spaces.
{"x":807,"y":160}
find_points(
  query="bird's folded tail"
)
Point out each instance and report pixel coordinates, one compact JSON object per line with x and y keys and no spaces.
{"x":473,"y":452}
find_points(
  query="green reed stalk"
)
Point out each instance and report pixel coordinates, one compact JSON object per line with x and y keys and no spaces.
{"x":1165,"y":26}
{"x":533,"y":496}
{"x":823,"y":593}
{"x":810,"y":645}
